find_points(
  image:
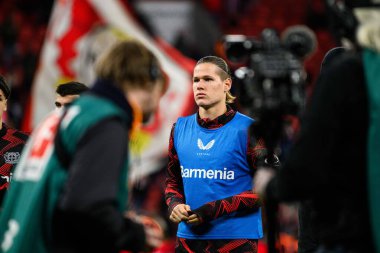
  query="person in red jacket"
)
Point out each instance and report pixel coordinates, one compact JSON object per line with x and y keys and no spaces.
{"x":12,"y":142}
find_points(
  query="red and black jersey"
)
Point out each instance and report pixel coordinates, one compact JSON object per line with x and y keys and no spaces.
{"x":12,"y":142}
{"x":247,"y":200}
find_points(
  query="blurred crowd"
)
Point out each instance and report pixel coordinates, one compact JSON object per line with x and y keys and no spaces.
{"x":23,"y":25}
{"x":22,"y":31}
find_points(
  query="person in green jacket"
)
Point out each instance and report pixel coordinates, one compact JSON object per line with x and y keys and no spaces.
{"x":70,"y":191}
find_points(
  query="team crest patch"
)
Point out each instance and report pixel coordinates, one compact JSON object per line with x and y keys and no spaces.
{"x":12,"y":157}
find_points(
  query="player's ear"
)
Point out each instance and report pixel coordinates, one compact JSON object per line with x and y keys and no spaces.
{"x":227,"y":84}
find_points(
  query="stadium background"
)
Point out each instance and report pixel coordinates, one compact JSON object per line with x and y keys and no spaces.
{"x":193,"y":28}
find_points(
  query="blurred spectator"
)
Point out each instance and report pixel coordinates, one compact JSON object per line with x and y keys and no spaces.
{"x":22,"y":30}
{"x":74,"y":175}
{"x":329,"y":163}
{"x":67,"y":92}
{"x":12,"y":142}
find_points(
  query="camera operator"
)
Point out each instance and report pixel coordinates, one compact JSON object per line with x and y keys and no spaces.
{"x":334,"y":155}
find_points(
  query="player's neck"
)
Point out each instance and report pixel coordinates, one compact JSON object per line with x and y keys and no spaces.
{"x":212,"y":112}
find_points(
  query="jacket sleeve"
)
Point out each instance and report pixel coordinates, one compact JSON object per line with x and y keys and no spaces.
{"x":174,"y":193}
{"x":243,"y":202}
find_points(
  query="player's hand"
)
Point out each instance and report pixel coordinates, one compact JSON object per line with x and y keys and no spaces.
{"x":193,"y":219}
{"x":261,"y":179}
{"x":180,"y":213}
{"x":153,"y":230}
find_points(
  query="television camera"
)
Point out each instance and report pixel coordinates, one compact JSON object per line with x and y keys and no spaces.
{"x":271,"y":78}
{"x":271,"y":85}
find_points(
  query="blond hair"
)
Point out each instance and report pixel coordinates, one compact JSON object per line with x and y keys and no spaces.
{"x":129,"y":63}
{"x":368,"y":32}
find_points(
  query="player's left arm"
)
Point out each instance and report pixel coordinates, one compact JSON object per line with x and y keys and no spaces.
{"x":246,"y":201}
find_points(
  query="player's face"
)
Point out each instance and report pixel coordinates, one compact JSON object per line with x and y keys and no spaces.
{"x":65,"y":100}
{"x":208,"y":87}
{"x":3,"y":103}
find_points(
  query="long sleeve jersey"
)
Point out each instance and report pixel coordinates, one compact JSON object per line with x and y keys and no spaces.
{"x":12,"y":142}
{"x":247,"y":200}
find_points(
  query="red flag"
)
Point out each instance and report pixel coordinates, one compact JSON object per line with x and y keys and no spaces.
{"x":78,"y":31}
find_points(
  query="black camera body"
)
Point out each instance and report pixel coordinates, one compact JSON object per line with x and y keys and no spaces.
{"x":271,"y":78}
